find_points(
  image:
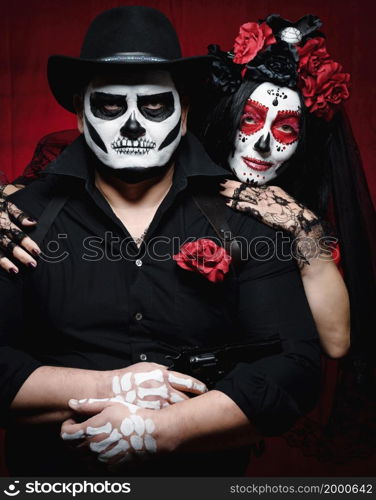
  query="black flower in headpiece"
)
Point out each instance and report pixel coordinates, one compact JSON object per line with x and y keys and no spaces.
{"x":225,"y":76}
{"x":277,"y":64}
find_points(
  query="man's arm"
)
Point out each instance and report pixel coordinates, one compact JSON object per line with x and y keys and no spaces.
{"x":274,"y":391}
{"x":25,"y":385}
{"x":45,"y":394}
{"x":32,"y":393}
{"x":206,"y":423}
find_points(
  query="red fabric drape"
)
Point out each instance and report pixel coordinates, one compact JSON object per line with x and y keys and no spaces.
{"x":31,"y":30}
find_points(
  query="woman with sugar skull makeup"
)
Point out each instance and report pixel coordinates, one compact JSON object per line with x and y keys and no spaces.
{"x":275,"y":120}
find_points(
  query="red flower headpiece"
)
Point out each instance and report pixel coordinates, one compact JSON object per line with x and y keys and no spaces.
{"x":262,"y":47}
{"x":252,"y":38}
{"x":321,"y":80}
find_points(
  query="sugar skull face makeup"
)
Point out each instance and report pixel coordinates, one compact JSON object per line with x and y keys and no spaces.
{"x":135,"y":123}
{"x":268,"y":133}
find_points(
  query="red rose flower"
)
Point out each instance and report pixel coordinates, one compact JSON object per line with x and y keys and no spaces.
{"x":326,"y":73}
{"x":312,"y":55}
{"x":321,"y":80}
{"x":205,"y":257}
{"x":308,"y":86}
{"x":333,"y":93}
{"x":252,"y":38}
{"x":325,"y":91}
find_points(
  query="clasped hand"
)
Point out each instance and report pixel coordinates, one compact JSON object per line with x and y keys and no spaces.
{"x":125,"y":425}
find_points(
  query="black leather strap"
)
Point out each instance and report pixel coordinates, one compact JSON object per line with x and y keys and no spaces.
{"x":48,"y":216}
{"x":214,"y":209}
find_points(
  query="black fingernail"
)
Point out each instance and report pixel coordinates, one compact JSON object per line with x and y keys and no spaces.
{"x":13,"y":270}
{"x":32,"y":264}
{"x":30,"y":219}
{"x":35,"y":252}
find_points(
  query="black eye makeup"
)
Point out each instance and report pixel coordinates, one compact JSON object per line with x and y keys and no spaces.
{"x":107,"y":106}
{"x":156,"y":107}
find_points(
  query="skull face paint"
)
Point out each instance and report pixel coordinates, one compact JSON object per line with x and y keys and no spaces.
{"x":133,"y":122}
{"x":268,"y":133}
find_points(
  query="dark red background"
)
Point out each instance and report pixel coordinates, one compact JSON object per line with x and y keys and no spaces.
{"x":31,"y":30}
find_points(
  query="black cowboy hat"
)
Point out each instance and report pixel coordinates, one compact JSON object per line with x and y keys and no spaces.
{"x":134,"y":36}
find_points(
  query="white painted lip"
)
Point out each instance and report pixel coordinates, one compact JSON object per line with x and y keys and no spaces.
{"x":258,"y":165}
{"x":132,"y":151}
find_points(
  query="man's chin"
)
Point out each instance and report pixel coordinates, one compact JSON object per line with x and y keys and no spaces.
{"x":133,"y":175}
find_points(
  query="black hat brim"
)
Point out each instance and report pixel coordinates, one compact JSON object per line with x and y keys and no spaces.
{"x":68,"y":76}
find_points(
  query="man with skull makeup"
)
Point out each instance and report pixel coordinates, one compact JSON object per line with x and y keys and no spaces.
{"x":87,"y":316}
{"x":133,"y":128}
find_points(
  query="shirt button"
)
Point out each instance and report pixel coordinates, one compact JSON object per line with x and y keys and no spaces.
{"x":138,"y":316}
{"x":138,"y":262}
{"x":143,"y":357}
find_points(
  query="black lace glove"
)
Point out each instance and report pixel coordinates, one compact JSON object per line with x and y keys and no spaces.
{"x":274,"y":207}
{"x":14,"y":243}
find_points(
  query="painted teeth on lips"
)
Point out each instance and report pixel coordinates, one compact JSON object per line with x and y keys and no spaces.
{"x":137,"y":147}
{"x":259,"y":165}
{"x":131,"y":151}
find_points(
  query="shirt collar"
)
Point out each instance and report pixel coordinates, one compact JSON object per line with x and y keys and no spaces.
{"x":191,"y":160}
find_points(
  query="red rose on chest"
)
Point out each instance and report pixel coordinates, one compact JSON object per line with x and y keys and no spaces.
{"x":205,"y":257}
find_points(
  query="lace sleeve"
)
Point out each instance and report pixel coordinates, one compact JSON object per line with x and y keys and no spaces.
{"x":274,"y":207}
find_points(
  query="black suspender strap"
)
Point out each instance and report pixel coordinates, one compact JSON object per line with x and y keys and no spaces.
{"x":48,"y":216}
{"x":214,"y":209}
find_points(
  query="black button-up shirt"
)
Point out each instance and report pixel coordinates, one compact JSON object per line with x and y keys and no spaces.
{"x":97,"y":301}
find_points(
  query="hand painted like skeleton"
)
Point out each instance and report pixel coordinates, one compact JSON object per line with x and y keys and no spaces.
{"x":123,"y":425}
{"x":13,"y":241}
{"x":152,"y":386}
{"x":118,"y":432}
